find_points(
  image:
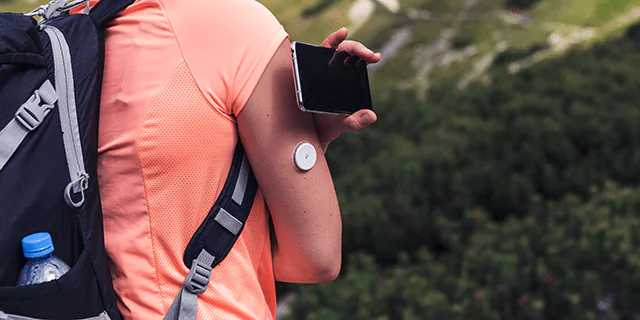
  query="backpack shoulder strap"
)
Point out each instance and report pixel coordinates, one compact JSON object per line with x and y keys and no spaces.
{"x":105,"y":10}
{"x":221,"y":228}
{"x":216,"y":235}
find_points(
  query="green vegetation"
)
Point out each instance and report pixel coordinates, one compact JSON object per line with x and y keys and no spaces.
{"x":485,"y":25}
{"x":18,"y":5}
{"x":521,"y":4}
{"x":556,"y":263}
{"x":518,"y":200}
{"x":313,"y":10}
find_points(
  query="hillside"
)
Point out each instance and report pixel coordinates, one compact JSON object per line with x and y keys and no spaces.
{"x":423,"y":41}
{"x":516,"y":200}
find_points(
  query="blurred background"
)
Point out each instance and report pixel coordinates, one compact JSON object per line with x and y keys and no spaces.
{"x":502,"y":179}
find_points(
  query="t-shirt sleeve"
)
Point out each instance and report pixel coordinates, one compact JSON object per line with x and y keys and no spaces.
{"x":227,"y":45}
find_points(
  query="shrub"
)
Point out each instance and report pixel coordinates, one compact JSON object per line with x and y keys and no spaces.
{"x":521,"y":4}
{"x":548,"y":162}
{"x":558,"y":128}
{"x":566,"y":260}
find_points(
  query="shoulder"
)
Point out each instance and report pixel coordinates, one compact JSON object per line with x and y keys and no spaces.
{"x":219,"y":17}
{"x":226,"y":44}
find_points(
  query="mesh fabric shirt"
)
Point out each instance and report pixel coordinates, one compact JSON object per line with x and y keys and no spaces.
{"x":177,"y":72}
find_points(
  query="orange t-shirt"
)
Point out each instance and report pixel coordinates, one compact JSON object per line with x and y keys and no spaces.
{"x":176,"y":74}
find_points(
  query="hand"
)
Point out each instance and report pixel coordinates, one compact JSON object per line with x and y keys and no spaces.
{"x":329,"y":127}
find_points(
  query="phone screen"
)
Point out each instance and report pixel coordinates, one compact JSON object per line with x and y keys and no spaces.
{"x":327,"y":84}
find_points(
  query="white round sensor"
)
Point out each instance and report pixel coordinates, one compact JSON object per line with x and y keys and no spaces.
{"x":304,"y":156}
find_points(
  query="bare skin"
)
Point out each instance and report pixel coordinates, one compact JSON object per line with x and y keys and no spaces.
{"x":303,"y":205}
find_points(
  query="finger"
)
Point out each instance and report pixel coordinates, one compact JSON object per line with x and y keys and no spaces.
{"x":336,"y":38}
{"x":350,"y":60}
{"x":359,"y":120}
{"x":361,"y":63}
{"x":336,"y":59}
{"x":355,"y":48}
{"x":376,"y":58}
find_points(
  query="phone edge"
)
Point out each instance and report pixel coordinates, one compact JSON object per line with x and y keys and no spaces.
{"x":296,"y":73}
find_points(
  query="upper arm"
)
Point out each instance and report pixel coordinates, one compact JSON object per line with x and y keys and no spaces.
{"x":303,"y":205}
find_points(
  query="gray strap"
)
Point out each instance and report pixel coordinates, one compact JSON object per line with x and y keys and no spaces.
{"x":241,"y":184}
{"x":228,"y":221}
{"x":28,"y":117}
{"x":76,"y":3}
{"x":224,"y":218}
{"x":185,"y":306}
{"x":68,"y":114}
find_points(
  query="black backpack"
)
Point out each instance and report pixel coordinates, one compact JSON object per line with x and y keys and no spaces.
{"x":50,"y":85}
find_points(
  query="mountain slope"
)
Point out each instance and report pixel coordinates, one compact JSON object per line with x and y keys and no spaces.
{"x":423,"y":41}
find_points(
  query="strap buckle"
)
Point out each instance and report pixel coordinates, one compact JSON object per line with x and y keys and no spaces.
{"x":31,"y":113}
{"x":78,"y":185}
{"x":198,"y":278}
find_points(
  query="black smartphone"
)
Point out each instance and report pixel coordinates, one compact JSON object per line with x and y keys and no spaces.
{"x":327,"y":83}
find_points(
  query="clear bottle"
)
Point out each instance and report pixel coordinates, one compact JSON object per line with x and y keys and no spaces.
{"x":42,"y":265}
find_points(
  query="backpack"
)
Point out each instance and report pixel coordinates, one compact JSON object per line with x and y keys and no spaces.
{"x":50,"y":85}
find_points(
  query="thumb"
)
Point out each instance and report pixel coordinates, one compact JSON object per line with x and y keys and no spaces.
{"x":336,"y":38}
{"x":360,"y":120}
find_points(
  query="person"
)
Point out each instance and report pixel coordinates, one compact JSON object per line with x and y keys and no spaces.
{"x":183,"y":81}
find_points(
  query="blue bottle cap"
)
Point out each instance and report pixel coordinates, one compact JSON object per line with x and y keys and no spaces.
{"x":37,"y":245}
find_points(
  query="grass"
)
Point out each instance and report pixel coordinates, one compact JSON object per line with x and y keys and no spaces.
{"x":582,"y":12}
{"x":22,"y":6}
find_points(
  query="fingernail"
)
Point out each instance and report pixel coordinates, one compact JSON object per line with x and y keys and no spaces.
{"x":366,"y":119}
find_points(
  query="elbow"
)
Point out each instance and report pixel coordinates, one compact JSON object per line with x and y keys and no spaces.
{"x":325,"y":260}
{"x":322,"y":268}
{"x":327,"y":272}
{"x":326,"y":264}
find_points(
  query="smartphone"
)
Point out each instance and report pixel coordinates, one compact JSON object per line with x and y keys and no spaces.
{"x":326,"y":84}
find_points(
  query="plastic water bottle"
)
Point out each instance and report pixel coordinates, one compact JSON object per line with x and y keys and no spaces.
{"x":42,"y":265}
